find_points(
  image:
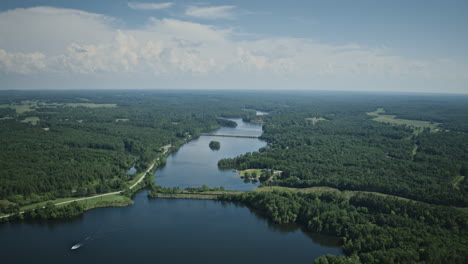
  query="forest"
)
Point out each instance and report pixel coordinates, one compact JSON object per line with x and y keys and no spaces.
{"x":72,"y":143}
{"x":373,"y":229}
{"x":320,"y":144}
{"x":83,"y":143}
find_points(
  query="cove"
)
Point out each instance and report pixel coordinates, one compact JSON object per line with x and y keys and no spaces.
{"x":171,"y":230}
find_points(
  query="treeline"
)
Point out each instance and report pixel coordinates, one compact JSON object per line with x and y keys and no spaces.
{"x":50,"y":211}
{"x":226,"y":122}
{"x":155,"y":189}
{"x":80,"y":151}
{"x":350,"y":151}
{"x":373,"y":229}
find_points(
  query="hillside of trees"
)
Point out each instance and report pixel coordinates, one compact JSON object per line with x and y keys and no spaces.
{"x":373,"y":229}
{"x":84,"y":142}
{"x":348,"y":150}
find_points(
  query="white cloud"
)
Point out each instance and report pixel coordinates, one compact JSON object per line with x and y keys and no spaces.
{"x":46,"y":40}
{"x":51,"y":30}
{"x":21,"y":62}
{"x":211,"y":12}
{"x":149,"y":6}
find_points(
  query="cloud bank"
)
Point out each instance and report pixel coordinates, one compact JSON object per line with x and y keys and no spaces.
{"x":59,"y":42}
{"x":149,"y":6}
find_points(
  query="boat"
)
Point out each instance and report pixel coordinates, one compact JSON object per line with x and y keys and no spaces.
{"x":77,"y":246}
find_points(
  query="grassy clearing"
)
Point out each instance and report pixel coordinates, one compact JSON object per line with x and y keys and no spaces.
{"x":26,"y":106}
{"x":241,"y":173}
{"x":109,"y":200}
{"x":417,"y":125}
{"x":106,"y":201}
{"x":411,"y":123}
{"x":89,"y":105}
{"x":314,"y":120}
{"x":33,"y":120}
{"x":377,"y":112}
{"x":41,"y":204}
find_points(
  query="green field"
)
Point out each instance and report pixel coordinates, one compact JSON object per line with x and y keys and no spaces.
{"x":241,"y":173}
{"x":109,"y":200}
{"x":32,"y":120}
{"x":106,"y":201}
{"x":89,"y":105}
{"x":377,"y":112}
{"x":26,"y":106}
{"x":417,"y":125}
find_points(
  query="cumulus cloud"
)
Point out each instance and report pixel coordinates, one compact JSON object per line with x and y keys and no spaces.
{"x":149,"y":6}
{"x":62,"y":41}
{"x":23,"y":63}
{"x":211,"y":12}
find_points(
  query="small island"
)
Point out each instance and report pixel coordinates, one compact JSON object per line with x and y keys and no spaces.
{"x":215,"y":145}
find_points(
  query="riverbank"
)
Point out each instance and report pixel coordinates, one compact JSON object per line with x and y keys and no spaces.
{"x":319,"y":190}
{"x":183,"y":194}
{"x":113,"y":199}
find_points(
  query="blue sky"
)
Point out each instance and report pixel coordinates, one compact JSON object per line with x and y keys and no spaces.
{"x":326,"y":45}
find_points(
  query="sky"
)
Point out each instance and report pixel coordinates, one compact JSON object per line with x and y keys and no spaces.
{"x":359,"y":45}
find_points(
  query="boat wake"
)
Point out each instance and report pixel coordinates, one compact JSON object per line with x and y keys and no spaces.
{"x":80,"y":244}
{"x":99,"y":235}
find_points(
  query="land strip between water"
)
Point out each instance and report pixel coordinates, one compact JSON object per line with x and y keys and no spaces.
{"x":99,"y":200}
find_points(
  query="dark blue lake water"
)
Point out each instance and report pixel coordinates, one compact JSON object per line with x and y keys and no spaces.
{"x":196,"y":164}
{"x":171,"y":231}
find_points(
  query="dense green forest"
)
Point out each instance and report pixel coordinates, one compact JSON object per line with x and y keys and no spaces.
{"x":71,"y":143}
{"x":337,"y":144}
{"x":60,"y":144}
{"x":373,"y":229}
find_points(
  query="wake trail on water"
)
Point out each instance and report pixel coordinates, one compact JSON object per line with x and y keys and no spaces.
{"x":99,"y":235}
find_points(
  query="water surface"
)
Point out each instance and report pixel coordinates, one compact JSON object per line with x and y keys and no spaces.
{"x":196,"y":164}
{"x":171,"y":230}
{"x":160,"y":231}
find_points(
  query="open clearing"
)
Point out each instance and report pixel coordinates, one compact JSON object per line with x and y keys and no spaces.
{"x":418,"y":125}
{"x":32,"y":120}
{"x":89,"y":105}
{"x":26,"y":106}
{"x":241,"y":173}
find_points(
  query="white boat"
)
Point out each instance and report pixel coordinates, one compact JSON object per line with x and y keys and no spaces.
{"x":77,"y":246}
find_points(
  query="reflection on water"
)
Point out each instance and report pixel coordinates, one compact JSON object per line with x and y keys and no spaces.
{"x":171,"y":230}
{"x":323,"y":240}
{"x":195,"y":164}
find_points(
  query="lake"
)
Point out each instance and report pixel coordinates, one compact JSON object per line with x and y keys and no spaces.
{"x":196,"y":164}
{"x":171,"y":230}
